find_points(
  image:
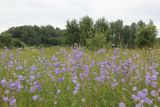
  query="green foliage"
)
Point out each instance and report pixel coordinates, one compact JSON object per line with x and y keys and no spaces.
{"x":101,"y":25}
{"x":54,"y":41}
{"x":116,"y":28}
{"x":32,"y":36}
{"x":18,"y":43}
{"x":157,"y":43}
{"x":97,"y":42}
{"x":146,"y":35}
{"x":86,"y":29}
{"x":5,"y":40}
{"x":83,"y":32}
{"x":72,"y":32}
{"x":132,"y":35}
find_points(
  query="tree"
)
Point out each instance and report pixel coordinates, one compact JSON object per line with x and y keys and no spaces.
{"x":146,"y":35}
{"x":86,"y":29}
{"x":132,"y":36}
{"x":99,"y":41}
{"x":6,"y":40}
{"x":125,"y":35}
{"x":140,"y":24}
{"x":72,"y":32}
{"x":35,"y":35}
{"x":101,"y":26}
{"x":116,"y":29}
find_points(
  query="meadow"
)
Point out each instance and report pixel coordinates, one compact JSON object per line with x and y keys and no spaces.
{"x":77,"y":77}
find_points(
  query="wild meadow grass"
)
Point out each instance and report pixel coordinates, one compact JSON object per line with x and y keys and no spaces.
{"x":77,"y":77}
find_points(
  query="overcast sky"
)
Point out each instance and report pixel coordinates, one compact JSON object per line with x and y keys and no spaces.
{"x":56,"y":12}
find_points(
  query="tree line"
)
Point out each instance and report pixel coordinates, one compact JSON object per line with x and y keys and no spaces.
{"x":85,"y":32}
{"x":32,"y":36}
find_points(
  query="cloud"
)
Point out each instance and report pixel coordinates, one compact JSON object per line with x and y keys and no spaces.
{"x":56,"y":12}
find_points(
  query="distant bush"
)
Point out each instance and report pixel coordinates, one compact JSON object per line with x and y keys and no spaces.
{"x":18,"y":43}
{"x":6,"y":40}
{"x":97,"y":42}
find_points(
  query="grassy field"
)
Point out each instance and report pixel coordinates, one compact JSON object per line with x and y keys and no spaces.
{"x":77,"y":77}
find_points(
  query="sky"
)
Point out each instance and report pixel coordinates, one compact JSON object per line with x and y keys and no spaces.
{"x":57,"y":12}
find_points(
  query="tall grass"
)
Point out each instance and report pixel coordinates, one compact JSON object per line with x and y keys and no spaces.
{"x":77,"y":77}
